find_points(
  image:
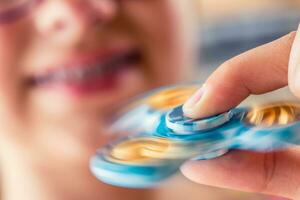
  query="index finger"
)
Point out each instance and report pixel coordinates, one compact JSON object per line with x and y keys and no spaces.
{"x":257,"y":71}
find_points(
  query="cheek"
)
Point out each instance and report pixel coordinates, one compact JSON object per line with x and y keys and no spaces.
{"x":159,"y":25}
{"x":12,"y":95}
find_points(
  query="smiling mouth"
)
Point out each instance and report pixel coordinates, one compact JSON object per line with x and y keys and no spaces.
{"x":88,"y":75}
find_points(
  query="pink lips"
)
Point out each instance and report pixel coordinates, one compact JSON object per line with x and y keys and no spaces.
{"x":88,"y":73}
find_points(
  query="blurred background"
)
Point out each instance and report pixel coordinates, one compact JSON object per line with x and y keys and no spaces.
{"x":228,"y":28}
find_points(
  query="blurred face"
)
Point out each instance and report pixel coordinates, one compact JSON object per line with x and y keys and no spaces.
{"x":64,"y":64}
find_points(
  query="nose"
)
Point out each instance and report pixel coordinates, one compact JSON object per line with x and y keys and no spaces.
{"x":105,"y":9}
{"x":67,"y":20}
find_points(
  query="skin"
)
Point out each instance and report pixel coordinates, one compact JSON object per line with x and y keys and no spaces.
{"x":48,"y":136}
{"x":257,"y":71}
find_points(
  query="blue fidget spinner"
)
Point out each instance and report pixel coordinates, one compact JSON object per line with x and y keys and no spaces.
{"x":163,"y":138}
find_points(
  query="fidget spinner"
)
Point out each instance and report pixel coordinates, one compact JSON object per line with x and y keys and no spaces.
{"x":161,"y":138}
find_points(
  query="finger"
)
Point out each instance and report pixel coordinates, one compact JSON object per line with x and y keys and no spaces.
{"x":254,"y":72}
{"x":274,"y":173}
{"x":294,"y":66}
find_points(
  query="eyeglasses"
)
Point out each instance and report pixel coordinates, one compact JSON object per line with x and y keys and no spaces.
{"x":11,"y":10}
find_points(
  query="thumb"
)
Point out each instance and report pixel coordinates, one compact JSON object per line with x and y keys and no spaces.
{"x":274,"y":173}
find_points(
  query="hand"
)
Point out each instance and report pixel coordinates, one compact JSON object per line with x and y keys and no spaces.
{"x":257,"y":71}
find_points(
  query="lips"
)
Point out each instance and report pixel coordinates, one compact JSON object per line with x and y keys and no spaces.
{"x":88,"y":73}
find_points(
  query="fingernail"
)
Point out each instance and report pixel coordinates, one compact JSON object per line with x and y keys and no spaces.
{"x":294,"y":65}
{"x":191,"y":104}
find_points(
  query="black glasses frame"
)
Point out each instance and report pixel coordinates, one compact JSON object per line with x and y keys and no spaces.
{"x":13,"y":14}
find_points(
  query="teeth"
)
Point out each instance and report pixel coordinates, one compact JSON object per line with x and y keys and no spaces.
{"x":60,"y":75}
{"x":95,"y":70}
{"x":79,"y":73}
{"x":76,"y":74}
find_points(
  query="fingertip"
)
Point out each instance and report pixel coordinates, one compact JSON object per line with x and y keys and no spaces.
{"x":190,"y":107}
{"x":199,"y":105}
{"x":219,"y":172}
{"x":195,"y":171}
{"x":194,"y":112}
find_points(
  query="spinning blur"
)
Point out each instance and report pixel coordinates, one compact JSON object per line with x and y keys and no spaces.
{"x":162,"y":138}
